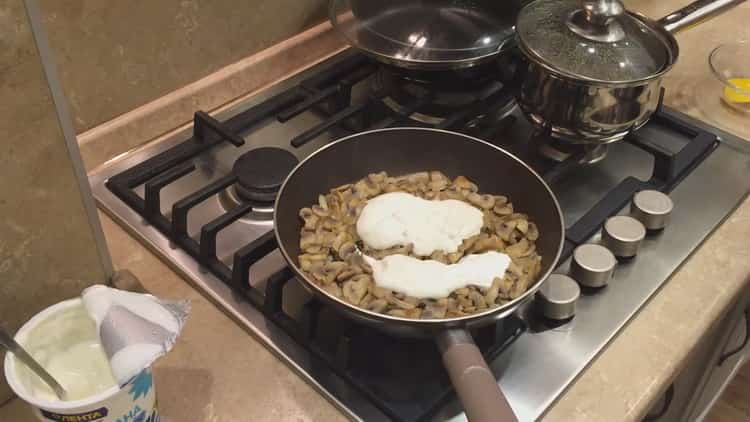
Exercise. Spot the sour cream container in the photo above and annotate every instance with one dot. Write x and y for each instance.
(62, 335)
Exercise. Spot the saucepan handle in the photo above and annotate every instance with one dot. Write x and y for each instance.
(695, 13)
(473, 380)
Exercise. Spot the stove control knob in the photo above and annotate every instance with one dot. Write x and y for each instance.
(592, 265)
(558, 296)
(652, 208)
(623, 235)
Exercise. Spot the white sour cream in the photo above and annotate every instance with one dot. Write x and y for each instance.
(67, 345)
(433, 279)
(399, 218)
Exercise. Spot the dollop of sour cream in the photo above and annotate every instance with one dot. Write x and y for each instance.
(399, 218)
(433, 279)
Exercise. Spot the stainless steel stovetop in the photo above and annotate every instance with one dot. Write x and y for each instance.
(542, 362)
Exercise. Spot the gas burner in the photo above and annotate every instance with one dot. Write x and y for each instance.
(262, 212)
(432, 100)
(260, 173)
(560, 151)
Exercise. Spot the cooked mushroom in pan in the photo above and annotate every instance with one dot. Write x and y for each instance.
(335, 257)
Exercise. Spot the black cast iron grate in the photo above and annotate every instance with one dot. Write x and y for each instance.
(329, 94)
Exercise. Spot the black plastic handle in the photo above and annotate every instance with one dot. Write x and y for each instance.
(739, 348)
(668, 396)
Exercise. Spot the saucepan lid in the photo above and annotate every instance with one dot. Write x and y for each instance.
(427, 33)
(593, 40)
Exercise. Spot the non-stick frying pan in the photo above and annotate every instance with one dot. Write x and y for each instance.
(407, 150)
(428, 35)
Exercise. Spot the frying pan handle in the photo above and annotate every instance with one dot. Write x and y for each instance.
(473, 380)
(696, 13)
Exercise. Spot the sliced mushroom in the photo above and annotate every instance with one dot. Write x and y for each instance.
(519, 249)
(515, 269)
(317, 249)
(454, 257)
(341, 238)
(320, 211)
(533, 233)
(439, 256)
(355, 289)
(307, 260)
(347, 250)
(488, 243)
(318, 274)
(377, 305)
(521, 285)
(396, 250)
(419, 177)
(378, 177)
(307, 239)
(397, 313)
(478, 299)
(414, 313)
(435, 309)
(368, 188)
(505, 286)
(332, 270)
(463, 291)
(322, 202)
(310, 219)
(505, 209)
(379, 292)
(522, 225)
(399, 303)
(429, 195)
(405, 313)
(491, 294)
(464, 302)
(438, 181)
(349, 272)
(333, 289)
(450, 194)
(485, 202)
(505, 229)
(463, 183)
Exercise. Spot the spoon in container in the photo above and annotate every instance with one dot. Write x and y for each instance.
(15, 348)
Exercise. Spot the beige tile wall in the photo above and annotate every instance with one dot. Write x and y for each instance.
(116, 55)
(47, 248)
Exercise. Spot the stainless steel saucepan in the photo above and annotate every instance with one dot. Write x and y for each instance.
(407, 150)
(592, 71)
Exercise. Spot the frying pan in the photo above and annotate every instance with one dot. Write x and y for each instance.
(407, 150)
(427, 35)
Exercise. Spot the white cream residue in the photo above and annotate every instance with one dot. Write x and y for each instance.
(67, 345)
(399, 218)
(433, 279)
(82, 369)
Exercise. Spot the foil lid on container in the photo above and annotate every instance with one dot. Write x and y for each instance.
(135, 329)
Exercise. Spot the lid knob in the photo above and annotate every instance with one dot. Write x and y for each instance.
(596, 20)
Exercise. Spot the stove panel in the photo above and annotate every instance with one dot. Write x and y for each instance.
(536, 367)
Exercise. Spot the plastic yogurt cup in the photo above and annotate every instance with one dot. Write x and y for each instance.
(65, 341)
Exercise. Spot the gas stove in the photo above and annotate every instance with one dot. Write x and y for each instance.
(202, 200)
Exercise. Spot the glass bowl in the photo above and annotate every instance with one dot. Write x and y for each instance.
(730, 64)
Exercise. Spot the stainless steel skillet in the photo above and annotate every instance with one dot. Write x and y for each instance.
(407, 150)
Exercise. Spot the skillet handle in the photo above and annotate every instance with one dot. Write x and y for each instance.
(473, 380)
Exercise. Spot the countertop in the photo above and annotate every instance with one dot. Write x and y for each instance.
(219, 373)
